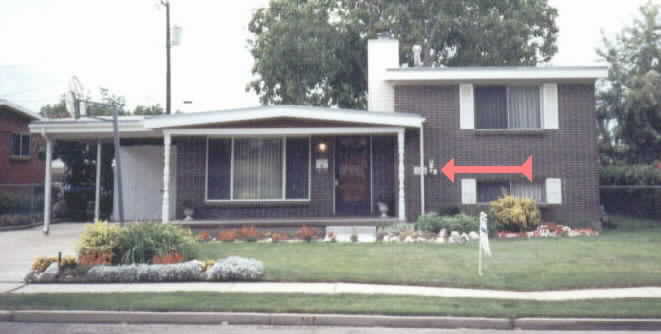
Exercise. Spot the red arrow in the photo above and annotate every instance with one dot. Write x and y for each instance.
(450, 169)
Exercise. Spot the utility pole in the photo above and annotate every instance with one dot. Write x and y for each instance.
(168, 45)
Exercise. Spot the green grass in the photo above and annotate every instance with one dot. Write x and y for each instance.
(345, 304)
(627, 256)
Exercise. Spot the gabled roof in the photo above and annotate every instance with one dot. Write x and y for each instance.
(285, 111)
(19, 109)
(477, 73)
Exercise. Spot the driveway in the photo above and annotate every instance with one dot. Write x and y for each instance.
(19, 248)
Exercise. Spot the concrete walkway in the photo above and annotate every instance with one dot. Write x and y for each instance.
(19, 248)
(341, 288)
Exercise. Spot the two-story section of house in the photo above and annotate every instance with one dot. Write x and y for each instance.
(325, 165)
(495, 116)
(19, 149)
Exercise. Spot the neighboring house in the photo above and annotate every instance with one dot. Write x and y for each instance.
(314, 164)
(20, 162)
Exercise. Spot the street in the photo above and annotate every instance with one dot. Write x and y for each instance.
(59, 328)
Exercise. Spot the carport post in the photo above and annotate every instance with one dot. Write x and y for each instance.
(48, 185)
(97, 195)
(167, 141)
(401, 174)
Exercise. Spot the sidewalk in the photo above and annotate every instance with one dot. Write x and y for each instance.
(339, 288)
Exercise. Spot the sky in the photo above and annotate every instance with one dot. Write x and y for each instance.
(120, 45)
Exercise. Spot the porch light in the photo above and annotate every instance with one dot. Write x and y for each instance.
(322, 147)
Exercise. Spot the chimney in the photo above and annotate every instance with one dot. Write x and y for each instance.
(382, 54)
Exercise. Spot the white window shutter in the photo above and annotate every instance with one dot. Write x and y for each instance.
(466, 107)
(468, 191)
(550, 106)
(553, 191)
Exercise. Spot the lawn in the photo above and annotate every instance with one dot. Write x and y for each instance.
(627, 256)
(345, 304)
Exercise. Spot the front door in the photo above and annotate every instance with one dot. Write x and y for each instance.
(352, 175)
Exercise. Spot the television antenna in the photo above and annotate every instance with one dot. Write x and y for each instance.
(76, 101)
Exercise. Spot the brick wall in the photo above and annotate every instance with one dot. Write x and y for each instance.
(14, 171)
(569, 153)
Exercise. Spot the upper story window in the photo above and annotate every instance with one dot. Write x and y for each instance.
(21, 144)
(507, 107)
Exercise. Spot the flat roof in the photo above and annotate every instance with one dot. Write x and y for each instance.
(479, 73)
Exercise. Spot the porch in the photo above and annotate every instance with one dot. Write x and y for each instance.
(283, 165)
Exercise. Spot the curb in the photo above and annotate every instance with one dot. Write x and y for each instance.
(337, 320)
(19, 227)
(272, 319)
(584, 324)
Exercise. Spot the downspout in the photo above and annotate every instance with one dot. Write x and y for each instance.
(422, 170)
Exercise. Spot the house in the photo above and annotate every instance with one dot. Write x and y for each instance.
(326, 165)
(20, 163)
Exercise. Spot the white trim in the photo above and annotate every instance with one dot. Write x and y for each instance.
(466, 106)
(422, 171)
(251, 114)
(92, 126)
(501, 73)
(48, 184)
(270, 132)
(283, 146)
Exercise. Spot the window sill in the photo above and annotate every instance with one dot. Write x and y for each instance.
(253, 203)
(512, 132)
(20, 157)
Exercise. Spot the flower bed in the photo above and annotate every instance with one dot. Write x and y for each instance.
(233, 268)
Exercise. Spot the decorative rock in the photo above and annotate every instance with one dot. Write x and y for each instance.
(409, 239)
(265, 241)
(455, 238)
(443, 233)
(439, 240)
(473, 235)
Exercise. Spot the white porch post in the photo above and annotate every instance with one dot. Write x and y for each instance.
(167, 141)
(97, 195)
(401, 174)
(48, 185)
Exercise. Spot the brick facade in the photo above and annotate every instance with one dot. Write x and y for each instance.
(569, 153)
(18, 171)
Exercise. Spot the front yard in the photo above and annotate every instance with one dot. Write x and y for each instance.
(628, 256)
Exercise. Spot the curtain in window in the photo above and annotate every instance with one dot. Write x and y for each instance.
(219, 168)
(298, 167)
(491, 107)
(532, 191)
(524, 108)
(490, 191)
(258, 168)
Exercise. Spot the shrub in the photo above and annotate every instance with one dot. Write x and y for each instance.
(229, 235)
(275, 237)
(14, 220)
(139, 243)
(41, 263)
(460, 223)
(236, 268)
(449, 211)
(203, 236)
(90, 257)
(248, 233)
(630, 175)
(99, 237)
(69, 262)
(307, 233)
(515, 214)
(8, 203)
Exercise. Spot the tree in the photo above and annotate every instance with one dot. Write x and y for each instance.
(315, 51)
(155, 109)
(629, 105)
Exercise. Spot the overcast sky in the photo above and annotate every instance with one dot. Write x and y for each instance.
(119, 45)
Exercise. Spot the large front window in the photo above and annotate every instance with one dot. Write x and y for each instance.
(258, 169)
